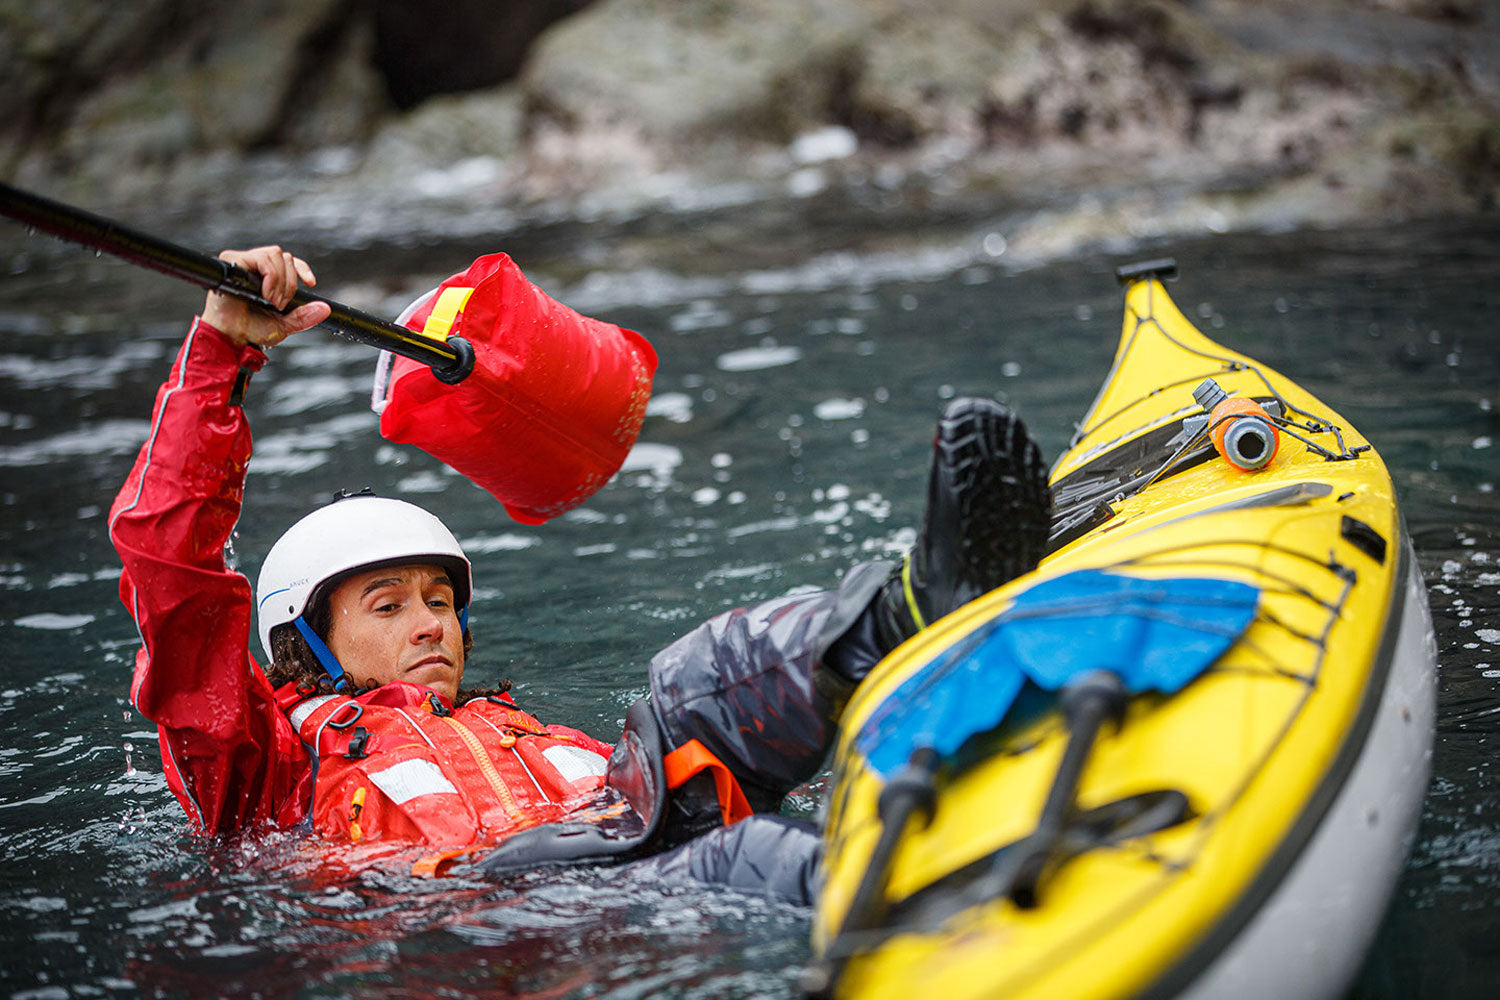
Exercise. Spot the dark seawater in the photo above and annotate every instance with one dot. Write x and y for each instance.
(787, 439)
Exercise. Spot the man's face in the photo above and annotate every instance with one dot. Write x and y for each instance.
(398, 623)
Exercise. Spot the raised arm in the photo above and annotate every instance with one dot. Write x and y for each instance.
(229, 754)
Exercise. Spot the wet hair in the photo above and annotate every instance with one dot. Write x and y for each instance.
(293, 661)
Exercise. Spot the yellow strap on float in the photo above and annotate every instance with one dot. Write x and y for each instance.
(450, 302)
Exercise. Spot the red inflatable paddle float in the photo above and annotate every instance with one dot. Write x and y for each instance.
(553, 404)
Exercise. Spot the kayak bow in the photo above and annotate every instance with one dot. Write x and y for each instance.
(1241, 830)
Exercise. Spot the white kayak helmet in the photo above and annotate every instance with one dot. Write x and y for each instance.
(352, 533)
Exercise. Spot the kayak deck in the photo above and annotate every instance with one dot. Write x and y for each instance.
(1252, 751)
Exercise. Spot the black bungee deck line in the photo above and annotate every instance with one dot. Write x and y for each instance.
(451, 360)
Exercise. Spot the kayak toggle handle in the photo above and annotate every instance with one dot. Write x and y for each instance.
(1241, 429)
(1162, 269)
(1088, 701)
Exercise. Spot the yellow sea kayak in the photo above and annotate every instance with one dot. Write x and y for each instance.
(1239, 831)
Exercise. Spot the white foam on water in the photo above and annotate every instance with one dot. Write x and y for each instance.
(307, 448)
(647, 457)
(741, 572)
(839, 409)
(109, 437)
(649, 287)
(319, 355)
(508, 542)
(423, 482)
(603, 290)
(289, 464)
(17, 421)
(298, 395)
(701, 314)
(42, 904)
(757, 358)
(82, 371)
(761, 527)
(50, 622)
(674, 406)
(831, 515)
(602, 549)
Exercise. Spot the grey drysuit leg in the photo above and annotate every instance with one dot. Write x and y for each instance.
(762, 689)
(773, 855)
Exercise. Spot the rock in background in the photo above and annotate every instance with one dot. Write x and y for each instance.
(1069, 120)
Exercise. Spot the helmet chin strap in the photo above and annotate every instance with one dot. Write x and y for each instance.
(323, 653)
(330, 662)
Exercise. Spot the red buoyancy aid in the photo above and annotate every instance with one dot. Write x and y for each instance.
(553, 404)
(397, 764)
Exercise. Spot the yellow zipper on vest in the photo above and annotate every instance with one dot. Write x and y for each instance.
(508, 742)
(487, 768)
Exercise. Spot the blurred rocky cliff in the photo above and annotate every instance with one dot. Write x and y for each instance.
(1067, 120)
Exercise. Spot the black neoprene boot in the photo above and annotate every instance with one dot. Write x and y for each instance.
(988, 517)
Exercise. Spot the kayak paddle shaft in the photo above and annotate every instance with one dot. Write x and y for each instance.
(1087, 702)
(451, 360)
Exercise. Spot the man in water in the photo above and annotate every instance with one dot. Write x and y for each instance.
(360, 729)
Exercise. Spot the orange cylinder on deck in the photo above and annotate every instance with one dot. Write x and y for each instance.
(553, 404)
(1243, 433)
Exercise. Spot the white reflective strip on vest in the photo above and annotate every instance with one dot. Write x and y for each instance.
(410, 778)
(303, 709)
(576, 763)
